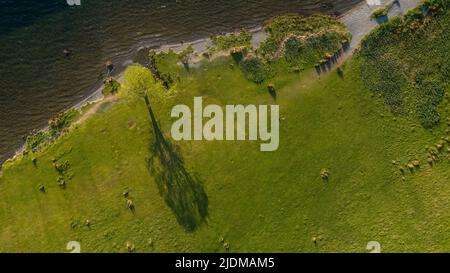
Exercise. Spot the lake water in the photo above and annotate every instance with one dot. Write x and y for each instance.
(37, 81)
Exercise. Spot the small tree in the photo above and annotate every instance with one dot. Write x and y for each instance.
(185, 55)
(138, 84)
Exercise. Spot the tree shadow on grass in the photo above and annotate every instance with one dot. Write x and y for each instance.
(333, 60)
(182, 191)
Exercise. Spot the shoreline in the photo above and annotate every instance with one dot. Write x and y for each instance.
(357, 24)
(357, 20)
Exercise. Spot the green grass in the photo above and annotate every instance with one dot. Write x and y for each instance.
(406, 61)
(275, 201)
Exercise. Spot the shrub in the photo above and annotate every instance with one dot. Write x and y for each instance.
(184, 55)
(40, 139)
(231, 40)
(254, 69)
(413, 17)
(380, 12)
(319, 48)
(37, 140)
(62, 167)
(237, 54)
(63, 120)
(292, 48)
(110, 86)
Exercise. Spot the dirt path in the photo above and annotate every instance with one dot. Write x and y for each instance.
(95, 107)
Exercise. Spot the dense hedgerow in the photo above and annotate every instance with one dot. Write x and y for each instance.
(408, 64)
(299, 41)
(323, 33)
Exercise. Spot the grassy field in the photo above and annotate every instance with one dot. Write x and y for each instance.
(248, 200)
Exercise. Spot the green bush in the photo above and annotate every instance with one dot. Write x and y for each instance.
(414, 15)
(167, 64)
(238, 54)
(62, 120)
(292, 49)
(184, 55)
(37, 140)
(280, 28)
(320, 48)
(110, 87)
(40, 139)
(254, 69)
(227, 42)
(380, 12)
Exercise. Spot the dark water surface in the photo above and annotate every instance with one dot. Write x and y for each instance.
(37, 81)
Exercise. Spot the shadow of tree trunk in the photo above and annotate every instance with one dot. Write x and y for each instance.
(182, 192)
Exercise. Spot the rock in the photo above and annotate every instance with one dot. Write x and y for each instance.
(109, 66)
(67, 52)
